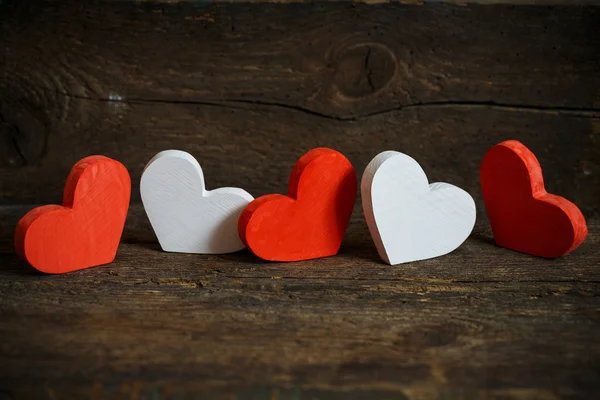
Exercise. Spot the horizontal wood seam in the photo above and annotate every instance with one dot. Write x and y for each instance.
(592, 113)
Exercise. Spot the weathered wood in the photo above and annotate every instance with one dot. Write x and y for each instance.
(358, 248)
(247, 89)
(267, 82)
(256, 148)
(482, 322)
(321, 58)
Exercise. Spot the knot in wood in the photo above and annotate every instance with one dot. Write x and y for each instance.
(364, 69)
(22, 136)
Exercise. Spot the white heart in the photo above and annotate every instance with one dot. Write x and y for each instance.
(185, 216)
(410, 219)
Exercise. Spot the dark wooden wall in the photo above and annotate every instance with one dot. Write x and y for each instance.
(248, 88)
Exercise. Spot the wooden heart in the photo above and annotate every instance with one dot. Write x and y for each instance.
(523, 216)
(410, 219)
(310, 222)
(85, 231)
(185, 216)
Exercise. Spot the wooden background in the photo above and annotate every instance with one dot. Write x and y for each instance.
(247, 88)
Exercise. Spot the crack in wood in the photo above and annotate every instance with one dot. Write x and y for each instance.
(369, 70)
(13, 139)
(10, 133)
(428, 284)
(593, 113)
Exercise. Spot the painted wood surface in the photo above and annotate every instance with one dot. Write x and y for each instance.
(85, 231)
(185, 216)
(524, 217)
(311, 220)
(410, 219)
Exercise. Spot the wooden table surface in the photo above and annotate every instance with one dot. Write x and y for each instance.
(481, 323)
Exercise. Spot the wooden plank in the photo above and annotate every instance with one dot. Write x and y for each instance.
(255, 147)
(439, 341)
(267, 82)
(482, 322)
(479, 253)
(322, 58)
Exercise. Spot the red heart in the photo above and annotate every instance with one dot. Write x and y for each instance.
(310, 222)
(85, 231)
(524, 217)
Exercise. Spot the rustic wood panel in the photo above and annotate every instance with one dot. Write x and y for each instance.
(322, 58)
(248, 88)
(482, 322)
(262, 83)
(255, 147)
(358, 248)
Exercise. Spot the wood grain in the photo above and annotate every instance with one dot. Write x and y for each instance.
(249, 88)
(311, 220)
(236, 147)
(315, 57)
(267, 82)
(523, 215)
(186, 217)
(86, 230)
(482, 322)
(409, 218)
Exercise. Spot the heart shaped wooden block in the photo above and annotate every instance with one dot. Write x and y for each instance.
(85, 231)
(185, 216)
(410, 219)
(310, 222)
(523, 216)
